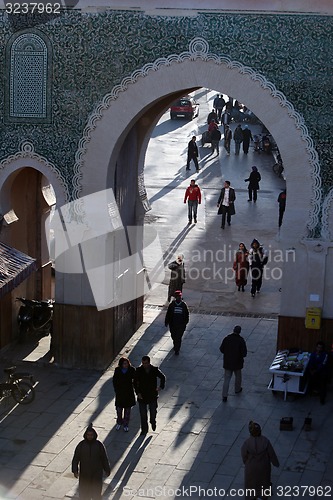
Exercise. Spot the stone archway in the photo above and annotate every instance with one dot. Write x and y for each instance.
(25, 180)
(135, 98)
(112, 150)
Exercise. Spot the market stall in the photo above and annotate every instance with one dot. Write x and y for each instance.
(288, 372)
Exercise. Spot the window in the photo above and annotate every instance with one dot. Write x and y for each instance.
(28, 84)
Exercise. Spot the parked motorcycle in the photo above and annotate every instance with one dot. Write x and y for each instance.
(34, 316)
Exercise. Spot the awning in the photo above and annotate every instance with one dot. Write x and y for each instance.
(15, 267)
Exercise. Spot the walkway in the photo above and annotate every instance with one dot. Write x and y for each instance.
(208, 250)
(198, 438)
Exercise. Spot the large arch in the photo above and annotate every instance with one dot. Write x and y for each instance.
(112, 150)
(160, 81)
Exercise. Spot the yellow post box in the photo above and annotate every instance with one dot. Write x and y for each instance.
(313, 317)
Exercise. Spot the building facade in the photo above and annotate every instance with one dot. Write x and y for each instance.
(83, 88)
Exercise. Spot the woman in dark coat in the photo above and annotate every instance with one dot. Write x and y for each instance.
(253, 186)
(258, 454)
(123, 386)
(241, 266)
(177, 278)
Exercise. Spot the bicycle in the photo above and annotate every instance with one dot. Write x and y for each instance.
(21, 391)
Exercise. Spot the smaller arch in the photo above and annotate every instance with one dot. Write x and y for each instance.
(26, 157)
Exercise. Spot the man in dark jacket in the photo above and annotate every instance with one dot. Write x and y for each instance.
(234, 351)
(146, 388)
(176, 318)
(219, 104)
(211, 116)
(226, 203)
(215, 137)
(89, 461)
(192, 154)
(247, 137)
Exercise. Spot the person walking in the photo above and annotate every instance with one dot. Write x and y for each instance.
(211, 116)
(215, 137)
(176, 318)
(253, 186)
(193, 195)
(89, 461)
(225, 119)
(241, 267)
(146, 388)
(238, 138)
(282, 198)
(226, 203)
(227, 139)
(123, 380)
(258, 454)
(258, 258)
(212, 126)
(234, 351)
(192, 154)
(219, 104)
(247, 137)
(177, 278)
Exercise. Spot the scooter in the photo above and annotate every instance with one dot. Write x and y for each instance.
(34, 316)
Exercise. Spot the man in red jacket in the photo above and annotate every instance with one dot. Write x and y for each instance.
(193, 195)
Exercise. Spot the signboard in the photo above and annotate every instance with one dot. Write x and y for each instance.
(313, 318)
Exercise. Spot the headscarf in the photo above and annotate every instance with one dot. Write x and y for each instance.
(255, 429)
(255, 241)
(242, 249)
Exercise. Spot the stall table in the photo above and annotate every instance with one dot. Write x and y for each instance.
(288, 371)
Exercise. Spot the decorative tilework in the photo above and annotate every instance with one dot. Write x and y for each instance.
(93, 53)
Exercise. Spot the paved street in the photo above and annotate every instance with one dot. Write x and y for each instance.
(196, 445)
(198, 438)
(209, 251)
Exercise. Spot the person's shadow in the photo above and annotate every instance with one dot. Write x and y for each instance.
(126, 469)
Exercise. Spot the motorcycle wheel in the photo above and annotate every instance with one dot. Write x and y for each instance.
(23, 392)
